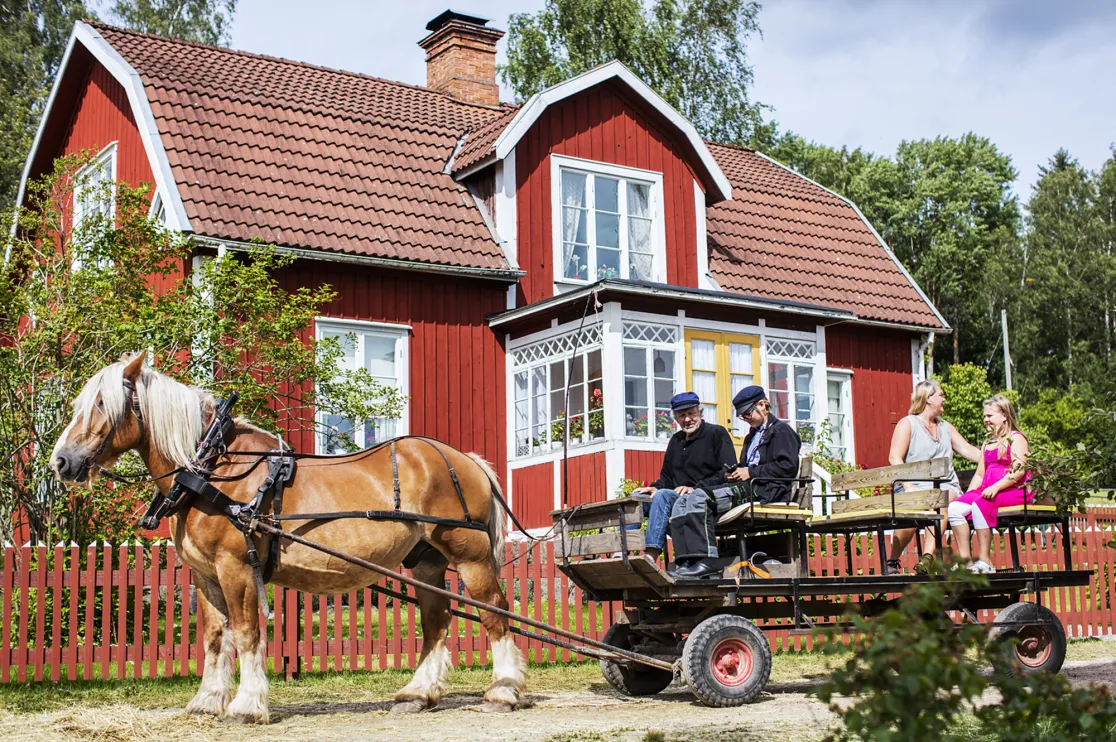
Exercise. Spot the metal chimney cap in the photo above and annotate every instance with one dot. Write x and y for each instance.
(455, 15)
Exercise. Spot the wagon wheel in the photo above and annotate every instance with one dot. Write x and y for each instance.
(631, 680)
(726, 661)
(1040, 642)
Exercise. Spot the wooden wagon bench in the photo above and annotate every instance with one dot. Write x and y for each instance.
(895, 509)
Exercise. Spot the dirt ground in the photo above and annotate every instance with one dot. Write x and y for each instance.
(595, 714)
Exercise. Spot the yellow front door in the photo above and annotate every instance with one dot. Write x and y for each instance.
(718, 365)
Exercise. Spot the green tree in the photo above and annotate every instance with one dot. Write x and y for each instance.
(1063, 281)
(206, 21)
(73, 301)
(946, 208)
(691, 52)
(828, 166)
(33, 36)
(966, 387)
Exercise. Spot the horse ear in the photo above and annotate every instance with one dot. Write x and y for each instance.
(134, 367)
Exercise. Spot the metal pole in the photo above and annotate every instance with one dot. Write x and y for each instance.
(1007, 353)
(384, 571)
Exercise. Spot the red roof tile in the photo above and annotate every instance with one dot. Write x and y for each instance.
(309, 157)
(783, 237)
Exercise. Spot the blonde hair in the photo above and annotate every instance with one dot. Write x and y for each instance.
(921, 395)
(1011, 421)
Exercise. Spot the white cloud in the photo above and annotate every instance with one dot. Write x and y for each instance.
(871, 75)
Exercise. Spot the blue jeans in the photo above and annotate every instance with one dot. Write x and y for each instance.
(658, 517)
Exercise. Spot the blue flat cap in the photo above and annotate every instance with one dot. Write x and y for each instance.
(684, 401)
(747, 398)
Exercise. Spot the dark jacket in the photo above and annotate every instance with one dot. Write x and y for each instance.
(699, 461)
(778, 457)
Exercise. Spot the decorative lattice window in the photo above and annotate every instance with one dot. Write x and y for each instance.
(647, 333)
(556, 347)
(790, 349)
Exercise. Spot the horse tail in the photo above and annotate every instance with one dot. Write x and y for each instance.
(498, 521)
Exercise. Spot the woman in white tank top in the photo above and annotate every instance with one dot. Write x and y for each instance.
(920, 436)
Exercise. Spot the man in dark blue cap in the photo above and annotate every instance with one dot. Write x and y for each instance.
(770, 450)
(696, 457)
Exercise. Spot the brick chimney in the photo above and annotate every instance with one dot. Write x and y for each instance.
(461, 57)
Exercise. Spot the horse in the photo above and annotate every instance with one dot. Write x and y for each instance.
(129, 407)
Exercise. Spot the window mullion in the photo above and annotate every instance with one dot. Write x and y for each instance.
(622, 205)
(652, 431)
(591, 225)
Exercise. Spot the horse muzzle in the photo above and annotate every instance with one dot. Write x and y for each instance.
(70, 465)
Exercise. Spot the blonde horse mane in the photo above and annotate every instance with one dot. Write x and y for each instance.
(173, 412)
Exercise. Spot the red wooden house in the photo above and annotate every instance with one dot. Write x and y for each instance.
(485, 255)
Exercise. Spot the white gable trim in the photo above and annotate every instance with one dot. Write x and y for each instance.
(945, 325)
(103, 52)
(539, 102)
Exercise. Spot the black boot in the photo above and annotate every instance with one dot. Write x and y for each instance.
(697, 569)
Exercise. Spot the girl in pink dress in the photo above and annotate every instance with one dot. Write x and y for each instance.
(1002, 475)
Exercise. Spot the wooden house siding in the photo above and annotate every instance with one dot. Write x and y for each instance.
(603, 125)
(457, 370)
(881, 384)
(532, 494)
(587, 479)
(643, 466)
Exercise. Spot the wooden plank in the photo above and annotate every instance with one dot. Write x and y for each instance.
(185, 579)
(608, 574)
(136, 646)
(74, 571)
(56, 615)
(600, 514)
(105, 652)
(885, 475)
(920, 500)
(597, 543)
(153, 612)
(366, 649)
(38, 656)
(168, 611)
(353, 636)
(547, 552)
(6, 616)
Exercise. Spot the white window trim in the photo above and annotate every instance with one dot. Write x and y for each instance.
(402, 336)
(679, 371)
(107, 154)
(658, 226)
(845, 376)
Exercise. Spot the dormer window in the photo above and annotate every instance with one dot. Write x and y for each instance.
(608, 222)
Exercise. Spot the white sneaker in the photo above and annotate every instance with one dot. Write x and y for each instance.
(981, 567)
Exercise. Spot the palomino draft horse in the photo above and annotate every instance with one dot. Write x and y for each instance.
(164, 421)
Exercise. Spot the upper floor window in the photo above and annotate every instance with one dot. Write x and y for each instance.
(382, 351)
(608, 222)
(94, 187)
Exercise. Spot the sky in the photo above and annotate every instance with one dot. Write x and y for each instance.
(1031, 75)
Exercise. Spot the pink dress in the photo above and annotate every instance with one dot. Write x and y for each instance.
(996, 465)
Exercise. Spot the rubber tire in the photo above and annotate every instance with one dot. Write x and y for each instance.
(636, 680)
(1033, 614)
(697, 659)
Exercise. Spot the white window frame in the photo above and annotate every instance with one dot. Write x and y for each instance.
(558, 163)
(158, 210)
(843, 377)
(592, 341)
(81, 188)
(648, 347)
(769, 358)
(401, 334)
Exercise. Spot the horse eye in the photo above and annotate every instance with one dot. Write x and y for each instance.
(100, 404)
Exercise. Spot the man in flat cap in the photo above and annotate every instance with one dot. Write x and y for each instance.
(770, 451)
(696, 457)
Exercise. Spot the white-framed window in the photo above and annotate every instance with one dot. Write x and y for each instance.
(649, 380)
(790, 381)
(95, 187)
(158, 210)
(382, 351)
(839, 403)
(539, 378)
(608, 222)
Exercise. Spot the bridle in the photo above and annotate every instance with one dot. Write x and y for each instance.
(132, 397)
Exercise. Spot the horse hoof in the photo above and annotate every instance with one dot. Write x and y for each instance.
(208, 705)
(247, 718)
(408, 707)
(491, 707)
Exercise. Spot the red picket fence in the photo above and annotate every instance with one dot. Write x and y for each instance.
(126, 612)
